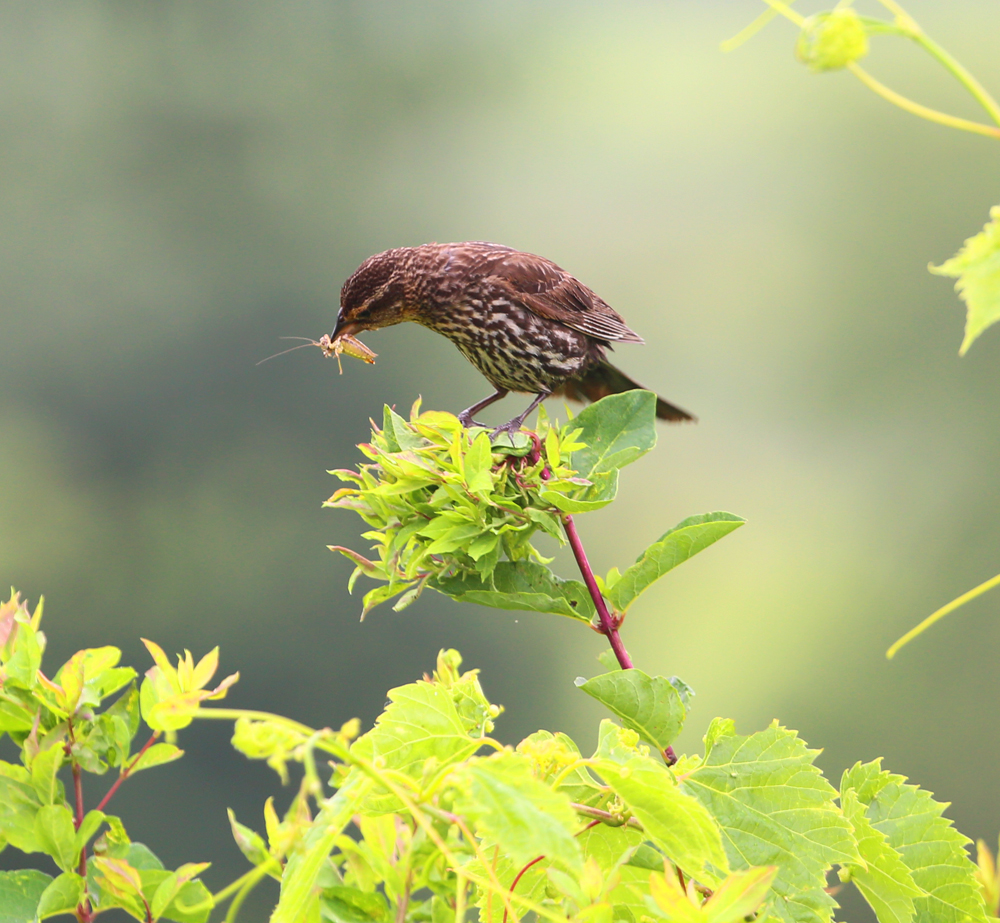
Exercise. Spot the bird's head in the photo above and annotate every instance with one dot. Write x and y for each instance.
(374, 296)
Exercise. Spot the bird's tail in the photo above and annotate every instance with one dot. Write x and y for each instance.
(604, 379)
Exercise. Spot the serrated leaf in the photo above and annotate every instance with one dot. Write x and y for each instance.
(977, 268)
(521, 585)
(672, 819)
(509, 806)
(616, 430)
(61, 896)
(674, 547)
(420, 723)
(884, 879)
(773, 805)
(19, 894)
(932, 849)
(649, 705)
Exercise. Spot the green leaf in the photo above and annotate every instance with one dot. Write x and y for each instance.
(521, 585)
(421, 722)
(977, 268)
(61, 896)
(674, 547)
(739, 895)
(349, 905)
(56, 835)
(675, 821)
(157, 755)
(509, 806)
(250, 842)
(14, 718)
(649, 705)
(603, 490)
(44, 773)
(175, 896)
(298, 883)
(616, 431)
(20, 892)
(92, 821)
(932, 849)
(773, 805)
(398, 435)
(614, 848)
(884, 879)
(478, 464)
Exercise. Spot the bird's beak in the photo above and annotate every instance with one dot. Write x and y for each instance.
(345, 328)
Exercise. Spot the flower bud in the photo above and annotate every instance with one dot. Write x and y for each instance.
(830, 41)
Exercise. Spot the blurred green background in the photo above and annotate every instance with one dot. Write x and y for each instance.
(185, 183)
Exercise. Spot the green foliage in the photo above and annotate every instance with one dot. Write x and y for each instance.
(838, 38)
(931, 849)
(977, 268)
(652, 706)
(66, 726)
(427, 813)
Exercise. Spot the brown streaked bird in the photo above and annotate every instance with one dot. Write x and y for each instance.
(526, 324)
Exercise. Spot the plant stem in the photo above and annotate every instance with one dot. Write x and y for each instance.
(254, 878)
(459, 897)
(608, 627)
(125, 772)
(908, 27)
(942, 612)
(606, 817)
(84, 912)
(915, 108)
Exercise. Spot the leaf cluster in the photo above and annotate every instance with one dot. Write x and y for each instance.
(453, 511)
(428, 815)
(85, 719)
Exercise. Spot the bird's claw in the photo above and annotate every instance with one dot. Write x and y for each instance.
(513, 426)
(469, 423)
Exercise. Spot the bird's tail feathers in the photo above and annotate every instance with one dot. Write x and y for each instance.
(604, 379)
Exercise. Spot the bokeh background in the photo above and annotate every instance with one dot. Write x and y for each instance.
(185, 183)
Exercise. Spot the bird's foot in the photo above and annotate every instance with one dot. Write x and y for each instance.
(466, 420)
(510, 428)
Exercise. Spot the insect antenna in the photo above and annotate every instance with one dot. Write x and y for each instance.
(309, 342)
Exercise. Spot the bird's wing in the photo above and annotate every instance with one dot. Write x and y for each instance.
(550, 292)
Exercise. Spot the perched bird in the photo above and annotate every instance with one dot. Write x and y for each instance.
(526, 324)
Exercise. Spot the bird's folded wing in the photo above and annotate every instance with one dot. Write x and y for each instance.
(550, 292)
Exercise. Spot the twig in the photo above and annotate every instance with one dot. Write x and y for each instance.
(609, 625)
(608, 628)
(125, 772)
(84, 912)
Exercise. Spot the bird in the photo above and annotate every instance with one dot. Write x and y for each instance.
(528, 325)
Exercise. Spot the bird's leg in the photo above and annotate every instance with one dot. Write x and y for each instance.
(465, 417)
(514, 425)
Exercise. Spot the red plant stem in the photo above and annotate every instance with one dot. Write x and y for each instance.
(608, 627)
(126, 771)
(518, 876)
(84, 913)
